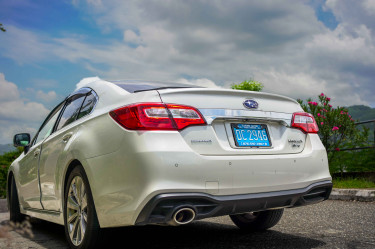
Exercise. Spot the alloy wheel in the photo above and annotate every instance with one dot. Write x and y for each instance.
(77, 210)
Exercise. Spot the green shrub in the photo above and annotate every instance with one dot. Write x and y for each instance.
(354, 161)
(5, 161)
(248, 85)
(338, 131)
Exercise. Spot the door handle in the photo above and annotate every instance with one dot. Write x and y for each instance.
(66, 137)
(36, 152)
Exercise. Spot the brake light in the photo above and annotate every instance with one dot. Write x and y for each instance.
(305, 122)
(184, 116)
(157, 116)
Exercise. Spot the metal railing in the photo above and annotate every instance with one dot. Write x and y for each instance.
(368, 147)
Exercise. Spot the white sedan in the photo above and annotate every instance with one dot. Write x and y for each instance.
(126, 153)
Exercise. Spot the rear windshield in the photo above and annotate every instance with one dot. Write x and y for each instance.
(139, 86)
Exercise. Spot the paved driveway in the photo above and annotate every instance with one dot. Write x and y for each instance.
(331, 224)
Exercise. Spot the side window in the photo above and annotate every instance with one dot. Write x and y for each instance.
(48, 127)
(88, 105)
(71, 110)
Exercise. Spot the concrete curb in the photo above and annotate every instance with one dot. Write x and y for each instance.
(365, 195)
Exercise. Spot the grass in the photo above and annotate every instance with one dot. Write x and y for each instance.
(353, 183)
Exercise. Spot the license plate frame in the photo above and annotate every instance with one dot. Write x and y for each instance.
(238, 130)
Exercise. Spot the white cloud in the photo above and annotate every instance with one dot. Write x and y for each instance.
(17, 110)
(8, 130)
(24, 46)
(352, 14)
(8, 90)
(199, 82)
(131, 36)
(298, 83)
(46, 97)
(369, 6)
(17, 115)
(283, 45)
(280, 43)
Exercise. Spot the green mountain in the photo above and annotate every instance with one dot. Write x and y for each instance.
(4, 148)
(362, 112)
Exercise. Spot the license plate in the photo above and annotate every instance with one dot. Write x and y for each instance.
(251, 135)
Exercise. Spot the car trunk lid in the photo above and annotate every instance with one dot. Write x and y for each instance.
(232, 128)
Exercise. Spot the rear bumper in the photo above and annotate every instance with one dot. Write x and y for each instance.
(161, 208)
(125, 181)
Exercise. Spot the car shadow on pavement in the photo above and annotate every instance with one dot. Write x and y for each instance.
(199, 234)
(46, 234)
(203, 234)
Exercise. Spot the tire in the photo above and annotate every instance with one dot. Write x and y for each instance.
(257, 221)
(15, 214)
(79, 212)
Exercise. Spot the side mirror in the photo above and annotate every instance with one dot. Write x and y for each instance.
(21, 140)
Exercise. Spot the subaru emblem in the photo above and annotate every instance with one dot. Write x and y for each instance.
(250, 104)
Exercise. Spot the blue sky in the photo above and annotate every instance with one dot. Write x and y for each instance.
(296, 48)
(46, 18)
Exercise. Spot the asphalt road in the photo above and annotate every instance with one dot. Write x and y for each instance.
(331, 224)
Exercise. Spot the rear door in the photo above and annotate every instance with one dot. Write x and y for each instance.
(56, 147)
(263, 127)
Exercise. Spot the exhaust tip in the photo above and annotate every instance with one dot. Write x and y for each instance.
(183, 216)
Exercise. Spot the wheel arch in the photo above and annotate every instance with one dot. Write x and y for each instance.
(74, 163)
(70, 167)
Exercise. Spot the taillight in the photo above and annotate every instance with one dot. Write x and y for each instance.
(184, 116)
(304, 121)
(157, 116)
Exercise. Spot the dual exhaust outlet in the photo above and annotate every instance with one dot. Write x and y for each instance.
(182, 216)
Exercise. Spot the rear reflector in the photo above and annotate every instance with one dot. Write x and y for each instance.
(157, 116)
(305, 122)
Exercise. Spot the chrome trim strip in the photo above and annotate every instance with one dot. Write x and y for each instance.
(250, 115)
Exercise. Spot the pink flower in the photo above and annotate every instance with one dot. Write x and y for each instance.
(318, 114)
(335, 128)
(314, 103)
(337, 149)
(324, 110)
(321, 123)
(325, 103)
(330, 105)
(349, 116)
(322, 94)
(328, 99)
(342, 112)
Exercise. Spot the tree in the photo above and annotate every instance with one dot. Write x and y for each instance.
(248, 85)
(2, 27)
